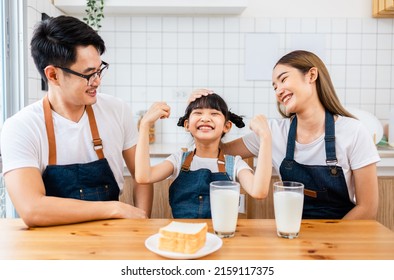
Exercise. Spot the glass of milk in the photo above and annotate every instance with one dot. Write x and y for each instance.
(288, 204)
(224, 198)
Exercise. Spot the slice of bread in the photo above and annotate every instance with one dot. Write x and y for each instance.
(183, 237)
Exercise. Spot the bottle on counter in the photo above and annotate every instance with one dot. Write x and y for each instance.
(152, 136)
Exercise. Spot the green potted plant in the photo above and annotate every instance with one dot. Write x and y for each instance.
(94, 13)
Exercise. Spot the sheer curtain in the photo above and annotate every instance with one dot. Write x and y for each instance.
(2, 91)
(12, 74)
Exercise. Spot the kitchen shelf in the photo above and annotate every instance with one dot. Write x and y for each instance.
(155, 7)
(383, 9)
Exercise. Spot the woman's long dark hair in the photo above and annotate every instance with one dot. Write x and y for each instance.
(212, 101)
(304, 61)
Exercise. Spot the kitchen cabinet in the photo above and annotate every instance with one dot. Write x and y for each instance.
(264, 209)
(386, 202)
(161, 207)
(383, 8)
(147, 7)
(161, 203)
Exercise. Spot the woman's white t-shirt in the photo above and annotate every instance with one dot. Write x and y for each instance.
(353, 143)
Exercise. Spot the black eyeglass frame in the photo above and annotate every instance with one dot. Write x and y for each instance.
(87, 77)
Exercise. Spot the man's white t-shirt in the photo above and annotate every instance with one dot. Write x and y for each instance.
(353, 143)
(24, 139)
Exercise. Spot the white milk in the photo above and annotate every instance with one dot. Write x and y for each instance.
(288, 211)
(224, 209)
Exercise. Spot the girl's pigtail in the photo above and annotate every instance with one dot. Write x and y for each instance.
(181, 121)
(237, 120)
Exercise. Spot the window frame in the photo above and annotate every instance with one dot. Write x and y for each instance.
(13, 52)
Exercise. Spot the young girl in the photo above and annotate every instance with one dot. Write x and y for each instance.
(208, 120)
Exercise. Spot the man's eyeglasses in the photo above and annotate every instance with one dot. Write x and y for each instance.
(90, 78)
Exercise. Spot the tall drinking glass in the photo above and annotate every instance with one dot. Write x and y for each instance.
(288, 204)
(224, 198)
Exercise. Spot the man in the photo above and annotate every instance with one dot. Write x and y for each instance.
(63, 155)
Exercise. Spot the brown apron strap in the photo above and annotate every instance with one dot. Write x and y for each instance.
(189, 158)
(97, 142)
(221, 162)
(50, 131)
(188, 161)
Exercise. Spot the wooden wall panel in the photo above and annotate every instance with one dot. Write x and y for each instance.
(262, 209)
(386, 202)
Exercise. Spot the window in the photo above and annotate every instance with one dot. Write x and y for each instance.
(12, 75)
(2, 59)
(12, 57)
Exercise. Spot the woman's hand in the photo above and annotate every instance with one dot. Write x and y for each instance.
(259, 125)
(199, 93)
(158, 110)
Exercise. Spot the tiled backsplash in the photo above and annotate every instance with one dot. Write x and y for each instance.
(163, 58)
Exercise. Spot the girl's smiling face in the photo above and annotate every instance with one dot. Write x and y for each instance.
(207, 118)
(207, 124)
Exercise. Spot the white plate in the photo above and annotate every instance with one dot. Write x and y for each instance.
(212, 244)
(372, 123)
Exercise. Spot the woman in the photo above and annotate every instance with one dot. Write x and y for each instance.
(317, 142)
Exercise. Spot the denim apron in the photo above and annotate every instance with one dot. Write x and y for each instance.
(326, 194)
(189, 193)
(93, 181)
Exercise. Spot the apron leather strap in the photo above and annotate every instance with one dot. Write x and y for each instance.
(221, 162)
(188, 160)
(50, 131)
(97, 142)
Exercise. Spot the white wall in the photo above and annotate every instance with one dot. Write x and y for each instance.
(166, 57)
(309, 8)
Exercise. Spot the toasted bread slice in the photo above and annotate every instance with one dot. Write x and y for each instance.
(183, 237)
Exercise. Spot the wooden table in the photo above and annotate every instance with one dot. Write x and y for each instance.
(122, 239)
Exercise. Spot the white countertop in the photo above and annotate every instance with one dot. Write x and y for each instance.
(385, 166)
(164, 150)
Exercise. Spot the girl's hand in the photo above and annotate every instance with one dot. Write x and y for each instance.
(259, 125)
(199, 93)
(158, 110)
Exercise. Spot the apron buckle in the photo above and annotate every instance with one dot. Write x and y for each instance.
(184, 168)
(331, 162)
(332, 165)
(97, 144)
